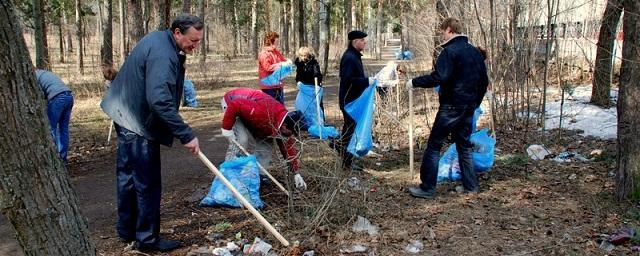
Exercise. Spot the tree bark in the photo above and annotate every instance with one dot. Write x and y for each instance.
(123, 29)
(284, 12)
(267, 16)
(604, 56)
(134, 19)
(236, 30)
(295, 41)
(254, 28)
(79, 37)
(35, 190)
(628, 157)
(106, 49)
(186, 6)
(302, 36)
(315, 27)
(146, 16)
(203, 43)
(60, 33)
(69, 29)
(325, 32)
(379, 31)
(42, 51)
(164, 14)
(348, 23)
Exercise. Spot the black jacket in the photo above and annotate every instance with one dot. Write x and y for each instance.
(307, 71)
(352, 78)
(145, 95)
(461, 73)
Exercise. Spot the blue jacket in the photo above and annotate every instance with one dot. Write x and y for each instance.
(352, 78)
(461, 73)
(50, 84)
(145, 95)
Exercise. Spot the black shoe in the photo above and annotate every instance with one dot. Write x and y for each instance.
(126, 240)
(162, 245)
(418, 192)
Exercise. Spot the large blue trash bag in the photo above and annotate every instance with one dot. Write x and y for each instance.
(327, 131)
(190, 94)
(407, 55)
(244, 175)
(274, 79)
(306, 103)
(482, 155)
(362, 111)
(476, 115)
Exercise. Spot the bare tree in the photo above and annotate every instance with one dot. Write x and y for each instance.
(164, 14)
(379, 31)
(325, 32)
(134, 20)
(186, 6)
(42, 50)
(35, 189)
(65, 20)
(79, 36)
(284, 13)
(302, 36)
(106, 49)
(123, 29)
(348, 23)
(315, 26)
(236, 30)
(59, 10)
(254, 28)
(628, 157)
(604, 56)
(267, 16)
(203, 43)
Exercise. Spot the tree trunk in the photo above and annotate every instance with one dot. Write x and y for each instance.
(284, 13)
(301, 29)
(606, 44)
(267, 16)
(146, 16)
(325, 32)
(348, 23)
(123, 30)
(628, 157)
(254, 28)
(379, 31)
(35, 190)
(134, 20)
(203, 43)
(404, 34)
(106, 49)
(79, 37)
(164, 14)
(60, 34)
(295, 41)
(69, 29)
(315, 27)
(42, 51)
(186, 6)
(236, 30)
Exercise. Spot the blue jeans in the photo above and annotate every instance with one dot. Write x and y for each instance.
(139, 187)
(277, 94)
(457, 121)
(59, 114)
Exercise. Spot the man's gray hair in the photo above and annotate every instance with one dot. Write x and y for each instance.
(186, 21)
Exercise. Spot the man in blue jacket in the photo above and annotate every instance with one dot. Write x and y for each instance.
(462, 75)
(353, 82)
(143, 101)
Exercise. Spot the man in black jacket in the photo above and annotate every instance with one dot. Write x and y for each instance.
(143, 101)
(353, 82)
(462, 75)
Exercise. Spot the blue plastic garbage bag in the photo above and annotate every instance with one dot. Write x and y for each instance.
(327, 131)
(407, 55)
(362, 111)
(482, 155)
(306, 103)
(274, 79)
(244, 175)
(398, 54)
(190, 94)
(476, 116)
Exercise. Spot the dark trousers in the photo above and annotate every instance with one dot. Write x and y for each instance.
(59, 115)
(277, 94)
(139, 187)
(347, 132)
(456, 121)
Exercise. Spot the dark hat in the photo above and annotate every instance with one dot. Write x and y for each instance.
(356, 34)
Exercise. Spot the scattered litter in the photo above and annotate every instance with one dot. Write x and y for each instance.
(364, 225)
(354, 249)
(231, 246)
(573, 176)
(354, 183)
(414, 247)
(309, 253)
(214, 236)
(373, 154)
(222, 252)
(566, 157)
(606, 246)
(635, 248)
(622, 236)
(258, 247)
(203, 250)
(595, 152)
(537, 152)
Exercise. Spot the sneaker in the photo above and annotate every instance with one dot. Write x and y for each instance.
(418, 192)
(162, 245)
